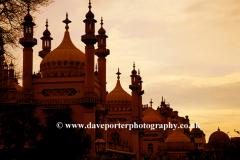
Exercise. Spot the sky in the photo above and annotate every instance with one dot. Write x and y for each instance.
(188, 51)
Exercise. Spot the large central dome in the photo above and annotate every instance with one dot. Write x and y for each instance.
(64, 61)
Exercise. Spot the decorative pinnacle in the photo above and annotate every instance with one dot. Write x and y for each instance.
(47, 24)
(28, 9)
(218, 129)
(89, 5)
(118, 73)
(66, 21)
(162, 98)
(151, 102)
(101, 22)
(133, 65)
(139, 72)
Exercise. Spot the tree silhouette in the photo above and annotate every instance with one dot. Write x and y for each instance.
(63, 143)
(20, 129)
(12, 13)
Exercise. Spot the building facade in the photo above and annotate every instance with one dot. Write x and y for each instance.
(68, 80)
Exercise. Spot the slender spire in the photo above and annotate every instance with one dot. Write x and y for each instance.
(66, 21)
(89, 6)
(133, 65)
(162, 98)
(46, 24)
(151, 102)
(101, 22)
(139, 72)
(28, 9)
(118, 73)
(218, 129)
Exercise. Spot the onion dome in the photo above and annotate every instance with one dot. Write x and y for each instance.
(118, 94)
(197, 131)
(66, 60)
(28, 17)
(134, 71)
(177, 137)
(46, 32)
(101, 30)
(151, 117)
(218, 136)
(11, 64)
(178, 141)
(89, 14)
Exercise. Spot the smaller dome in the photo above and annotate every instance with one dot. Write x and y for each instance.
(89, 14)
(46, 33)
(11, 64)
(151, 117)
(177, 136)
(118, 94)
(28, 18)
(139, 78)
(101, 31)
(134, 71)
(218, 136)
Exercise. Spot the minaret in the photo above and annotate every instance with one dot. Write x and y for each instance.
(135, 112)
(89, 39)
(5, 75)
(140, 92)
(134, 87)
(102, 53)
(28, 42)
(46, 42)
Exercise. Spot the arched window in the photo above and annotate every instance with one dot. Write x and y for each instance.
(150, 147)
(115, 137)
(89, 26)
(101, 41)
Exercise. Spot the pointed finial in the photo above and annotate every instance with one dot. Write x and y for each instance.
(139, 72)
(118, 73)
(151, 102)
(162, 98)
(218, 129)
(28, 9)
(89, 5)
(46, 23)
(66, 21)
(101, 22)
(133, 65)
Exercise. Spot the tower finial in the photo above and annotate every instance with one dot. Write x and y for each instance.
(151, 102)
(101, 22)
(89, 6)
(133, 65)
(46, 23)
(139, 72)
(118, 73)
(66, 21)
(28, 9)
(218, 129)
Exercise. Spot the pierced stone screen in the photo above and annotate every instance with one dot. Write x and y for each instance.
(59, 92)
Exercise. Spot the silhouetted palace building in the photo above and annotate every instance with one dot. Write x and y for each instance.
(68, 80)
